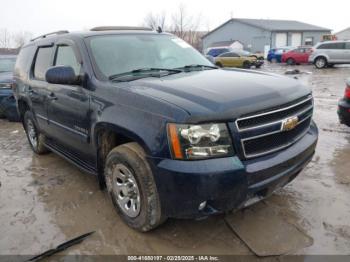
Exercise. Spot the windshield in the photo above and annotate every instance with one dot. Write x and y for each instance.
(7, 64)
(117, 54)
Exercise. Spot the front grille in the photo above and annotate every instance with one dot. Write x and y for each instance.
(263, 133)
(274, 115)
(273, 142)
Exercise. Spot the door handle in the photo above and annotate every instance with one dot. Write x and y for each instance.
(52, 97)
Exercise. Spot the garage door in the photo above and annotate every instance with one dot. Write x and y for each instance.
(296, 39)
(281, 39)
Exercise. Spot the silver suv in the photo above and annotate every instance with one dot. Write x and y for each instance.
(330, 53)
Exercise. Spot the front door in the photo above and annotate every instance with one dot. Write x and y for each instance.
(69, 107)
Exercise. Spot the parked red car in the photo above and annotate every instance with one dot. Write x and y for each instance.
(299, 55)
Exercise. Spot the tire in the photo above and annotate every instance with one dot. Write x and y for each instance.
(218, 64)
(131, 186)
(246, 65)
(290, 61)
(35, 138)
(320, 62)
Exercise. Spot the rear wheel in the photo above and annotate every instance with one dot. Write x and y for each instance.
(290, 61)
(35, 138)
(320, 62)
(132, 188)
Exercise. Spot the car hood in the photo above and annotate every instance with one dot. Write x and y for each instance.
(6, 77)
(221, 94)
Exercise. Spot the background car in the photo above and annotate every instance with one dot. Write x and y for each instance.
(344, 106)
(275, 54)
(7, 100)
(214, 52)
(232, 59)
(327, 54)
(299, 55)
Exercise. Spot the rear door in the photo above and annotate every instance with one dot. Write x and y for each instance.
(68, 109)
(37, 86)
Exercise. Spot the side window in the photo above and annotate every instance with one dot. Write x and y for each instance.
(65, 56)
(347, 45)
(42, 62)
(332, 46)
(234, 55)
(338, 46)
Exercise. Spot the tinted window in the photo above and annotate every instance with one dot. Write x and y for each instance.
(24, 61)
(332, 46)
(42, 62)
(66, 57)
(347, 45)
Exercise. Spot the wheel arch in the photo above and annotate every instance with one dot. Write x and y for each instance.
(107, 136)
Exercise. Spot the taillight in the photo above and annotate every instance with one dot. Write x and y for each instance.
(347, 92)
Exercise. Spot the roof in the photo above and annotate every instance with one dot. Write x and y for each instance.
(51, 37)
(223, 43)
(275, 25)
(342, 31)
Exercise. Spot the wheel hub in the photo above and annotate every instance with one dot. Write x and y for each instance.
(126, 190)
(32, 135)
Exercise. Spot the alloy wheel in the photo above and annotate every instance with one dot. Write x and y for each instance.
(126, 190)
(32, 134)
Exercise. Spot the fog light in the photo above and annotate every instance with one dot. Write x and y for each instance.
(202, 205)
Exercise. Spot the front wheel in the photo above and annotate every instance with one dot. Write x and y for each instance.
(320, 62)
(132, 188)
(35, 137)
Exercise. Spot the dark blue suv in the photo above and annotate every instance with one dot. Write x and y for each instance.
(168, 133)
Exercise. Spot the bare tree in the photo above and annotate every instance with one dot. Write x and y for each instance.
(20, 38)
(186, 26)
(155, 20)
(5, 38)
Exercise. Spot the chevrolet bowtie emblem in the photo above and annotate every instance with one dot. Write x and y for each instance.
(289, 123)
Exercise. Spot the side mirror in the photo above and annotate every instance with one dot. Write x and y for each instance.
(63, 75)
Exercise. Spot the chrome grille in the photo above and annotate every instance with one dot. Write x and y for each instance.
(264, 133)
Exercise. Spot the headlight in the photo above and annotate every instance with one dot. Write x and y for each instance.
(5, 85)
(199, 141)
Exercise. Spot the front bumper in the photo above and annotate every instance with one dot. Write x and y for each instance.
(344, 111)
(4, 93)
(228, 183)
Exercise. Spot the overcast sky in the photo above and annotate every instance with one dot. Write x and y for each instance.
(41, 16)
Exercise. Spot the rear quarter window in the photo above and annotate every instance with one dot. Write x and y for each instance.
(24, 61)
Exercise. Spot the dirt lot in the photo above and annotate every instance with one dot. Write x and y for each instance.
(45, 200)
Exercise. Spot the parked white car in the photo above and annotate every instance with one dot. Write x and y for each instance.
(327, 54)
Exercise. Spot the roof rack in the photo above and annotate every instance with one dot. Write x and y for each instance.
(53, 33)
(109, 28)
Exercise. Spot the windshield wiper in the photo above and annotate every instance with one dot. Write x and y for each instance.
(195, 66)
(145, 72)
